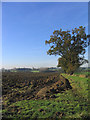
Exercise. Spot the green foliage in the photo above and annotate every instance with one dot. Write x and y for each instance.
(70, 46)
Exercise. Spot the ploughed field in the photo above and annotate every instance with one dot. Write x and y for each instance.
(23, 85)
(44, 95)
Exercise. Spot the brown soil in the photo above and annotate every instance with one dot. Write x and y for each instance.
(82, 76)
(61, 85)
(26, 86)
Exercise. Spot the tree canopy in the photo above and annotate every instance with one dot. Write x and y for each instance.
(70, 46)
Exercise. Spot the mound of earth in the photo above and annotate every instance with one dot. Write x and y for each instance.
(47, 92)
(83, 76)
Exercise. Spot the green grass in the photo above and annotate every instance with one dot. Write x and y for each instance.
(35, 71)
(79, 84)
(72, 103)
(84, 73)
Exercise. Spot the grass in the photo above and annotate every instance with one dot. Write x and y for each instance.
(79, 84)
(35, 71)
(72, 103)
(82, 73)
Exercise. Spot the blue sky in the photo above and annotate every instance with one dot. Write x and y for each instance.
(26, 26)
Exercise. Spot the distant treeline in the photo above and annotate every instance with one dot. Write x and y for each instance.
(51, 69)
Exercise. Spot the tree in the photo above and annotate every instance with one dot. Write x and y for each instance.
(70, 46)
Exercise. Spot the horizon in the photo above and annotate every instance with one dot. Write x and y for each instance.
(40, 67)
(26, 26)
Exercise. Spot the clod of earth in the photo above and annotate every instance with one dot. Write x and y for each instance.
(83, 76)
(61, 85)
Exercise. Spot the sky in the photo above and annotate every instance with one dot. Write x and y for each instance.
(45, 0)
(26, 26)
